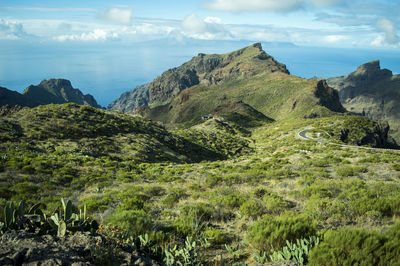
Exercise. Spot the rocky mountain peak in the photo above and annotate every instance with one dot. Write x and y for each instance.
(370, 71)
(212, 69)
(58, 91)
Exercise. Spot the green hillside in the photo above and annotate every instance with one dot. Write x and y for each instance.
(250, 169)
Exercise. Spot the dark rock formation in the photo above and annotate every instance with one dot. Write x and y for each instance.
(373, 92)
(131, 100)
(22, 248)
(55, 91)
(58, 91)
(12, 98)
(202, 69)
(328, 97)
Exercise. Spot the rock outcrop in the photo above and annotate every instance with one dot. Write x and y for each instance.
(328, 97)
(58, 91)
(202, 69)
(22, 248)
(12, 98)
(373, 92)
(131, 100)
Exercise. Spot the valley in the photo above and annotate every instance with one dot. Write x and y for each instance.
(206, 166)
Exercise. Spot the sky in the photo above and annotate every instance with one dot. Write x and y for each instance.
(74, 30)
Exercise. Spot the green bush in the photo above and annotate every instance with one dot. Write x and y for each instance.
(253, 208)
(135, 202)
(137, 222)
(275, 204)
(354, 247)
(346, 171)
(215, 236)
(270, 233)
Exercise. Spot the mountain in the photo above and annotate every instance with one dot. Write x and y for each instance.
(242, 82)
(11, 98)
(58, 91)
(131, 100)
(373, 92)
(55, 91)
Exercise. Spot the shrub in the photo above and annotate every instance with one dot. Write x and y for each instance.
(135, 202)
(193, 218)
(346, 171)
(216, 236)
(271, 233)
(275, 204)
(135, 221)
(350, 247)
(252, 208)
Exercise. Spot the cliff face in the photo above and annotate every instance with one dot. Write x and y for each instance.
(373, 92)
(12, 98)
(131, 100)
(328, 97)
(247, 87)
(55, 91)
(202, 69)
(58, 91)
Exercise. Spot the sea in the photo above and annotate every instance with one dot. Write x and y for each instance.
(106, 70)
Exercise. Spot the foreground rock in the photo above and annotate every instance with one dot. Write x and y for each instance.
(22, 248)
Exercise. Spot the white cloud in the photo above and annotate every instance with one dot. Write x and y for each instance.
(334, 38)
(213, 20)
(96, 35)
(118, 16)
(388, 29)
(12, 30)
(193, 23)
(208, 28)
(255, 5)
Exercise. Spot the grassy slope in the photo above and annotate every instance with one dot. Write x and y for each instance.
(277, 96)
(336, 187)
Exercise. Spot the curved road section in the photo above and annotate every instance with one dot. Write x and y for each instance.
(303, 135)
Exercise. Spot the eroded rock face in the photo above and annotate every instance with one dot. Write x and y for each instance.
(12, 98)
(202, 69)
(131, 100)
(22, 248)
(373, 92)
(328, 97)
(58, 91)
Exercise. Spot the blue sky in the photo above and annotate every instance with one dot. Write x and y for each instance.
(325, 23)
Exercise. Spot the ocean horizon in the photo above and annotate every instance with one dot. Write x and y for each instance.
(106, 70)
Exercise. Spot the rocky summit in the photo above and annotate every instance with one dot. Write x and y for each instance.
(50, 91)
(373, 92)
(58, 91)
(249, 81)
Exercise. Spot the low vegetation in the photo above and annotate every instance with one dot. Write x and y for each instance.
(209, 194)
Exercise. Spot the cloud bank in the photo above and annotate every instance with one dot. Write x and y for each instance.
(118, 16)
(96, 35)
(389, 31)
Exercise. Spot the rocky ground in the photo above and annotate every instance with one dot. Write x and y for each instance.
(22, 248)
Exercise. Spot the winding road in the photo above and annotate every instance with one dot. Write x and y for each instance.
(303, 135)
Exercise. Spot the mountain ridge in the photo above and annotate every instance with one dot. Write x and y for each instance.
(373, 92)
(51, 91)
(248, 76)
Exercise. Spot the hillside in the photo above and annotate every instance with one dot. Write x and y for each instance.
(12, 98)
(52, 91)
(250, 80)
(250, 166)
(373, 92)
